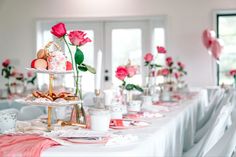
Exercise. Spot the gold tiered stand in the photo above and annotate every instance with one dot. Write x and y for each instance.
(50, 105)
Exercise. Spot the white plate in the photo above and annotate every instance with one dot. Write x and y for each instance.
(49, 103)
(49, 71)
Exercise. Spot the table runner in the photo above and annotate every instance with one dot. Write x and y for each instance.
(20, 145)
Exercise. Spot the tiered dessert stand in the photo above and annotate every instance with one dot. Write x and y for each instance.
(49, 104)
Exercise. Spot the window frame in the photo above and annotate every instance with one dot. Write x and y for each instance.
(218, 14)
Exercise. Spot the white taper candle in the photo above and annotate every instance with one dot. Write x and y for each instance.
(98, 70)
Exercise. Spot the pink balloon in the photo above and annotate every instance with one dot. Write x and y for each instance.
(216, 48)
(207, 37)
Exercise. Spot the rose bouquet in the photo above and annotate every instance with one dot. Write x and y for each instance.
(125, 72)
(76, 39)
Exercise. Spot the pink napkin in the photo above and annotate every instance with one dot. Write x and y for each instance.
(24, 145)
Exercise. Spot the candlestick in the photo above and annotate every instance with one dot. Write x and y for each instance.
(99, 70)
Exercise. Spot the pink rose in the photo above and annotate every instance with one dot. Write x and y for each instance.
(5, 63)
(165, 72)
(148, 57)
(121, 72)
(132, 70)
(169, 61)
(232, 72)
(161, 49)
(59, 30)
(30, 74)
(181, 65)
(78, 38)
(176, 75)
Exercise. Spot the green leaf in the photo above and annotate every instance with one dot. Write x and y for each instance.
(79, 56)
(82, 67)
(138, 88)
(129, 87)
(158, 66)
(91, 69)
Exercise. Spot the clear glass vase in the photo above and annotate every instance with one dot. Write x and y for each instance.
(78, 114)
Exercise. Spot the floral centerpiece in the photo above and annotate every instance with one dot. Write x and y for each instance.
(233, 74)
(77, 39)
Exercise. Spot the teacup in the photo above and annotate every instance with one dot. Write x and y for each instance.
(100, 119)
(134, 106)
(116, 112)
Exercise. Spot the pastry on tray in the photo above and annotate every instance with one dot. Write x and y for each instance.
(55, 96)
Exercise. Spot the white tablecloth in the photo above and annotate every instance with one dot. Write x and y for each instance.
(165, 137)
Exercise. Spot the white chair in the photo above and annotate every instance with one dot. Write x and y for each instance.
(29, 113)
(213, 135)
(214, 102)
(201, 132)
(225, 147)
(88, 99)
(8, 119)
(4, 105)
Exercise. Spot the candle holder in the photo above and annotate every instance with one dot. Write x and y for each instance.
(98, 100)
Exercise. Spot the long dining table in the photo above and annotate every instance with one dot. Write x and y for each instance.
(169, 135)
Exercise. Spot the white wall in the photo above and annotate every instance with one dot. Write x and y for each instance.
(186, 21)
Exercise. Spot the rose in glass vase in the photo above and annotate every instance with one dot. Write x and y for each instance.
(124, 73)
(233, 74)
(76, 39)
(7, 73)
(179, 75)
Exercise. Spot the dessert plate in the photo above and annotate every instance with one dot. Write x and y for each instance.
(49, 71)
(128, 124)
(46, 102)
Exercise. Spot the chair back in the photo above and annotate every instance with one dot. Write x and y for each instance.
(226, 145)
(217, 130)
(8, 119)
(88, 99)
(29, 113)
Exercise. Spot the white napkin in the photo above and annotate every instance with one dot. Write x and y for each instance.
(155, 108)
(121, 140)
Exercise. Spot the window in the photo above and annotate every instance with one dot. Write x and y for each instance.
(226, 24)
(119, 40)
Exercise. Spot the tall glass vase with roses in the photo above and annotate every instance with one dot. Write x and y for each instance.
(170, 67)
(152, 68)
(7, 73)
(75, 39)
(124, 73)
(179, 74)
(233, 74)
